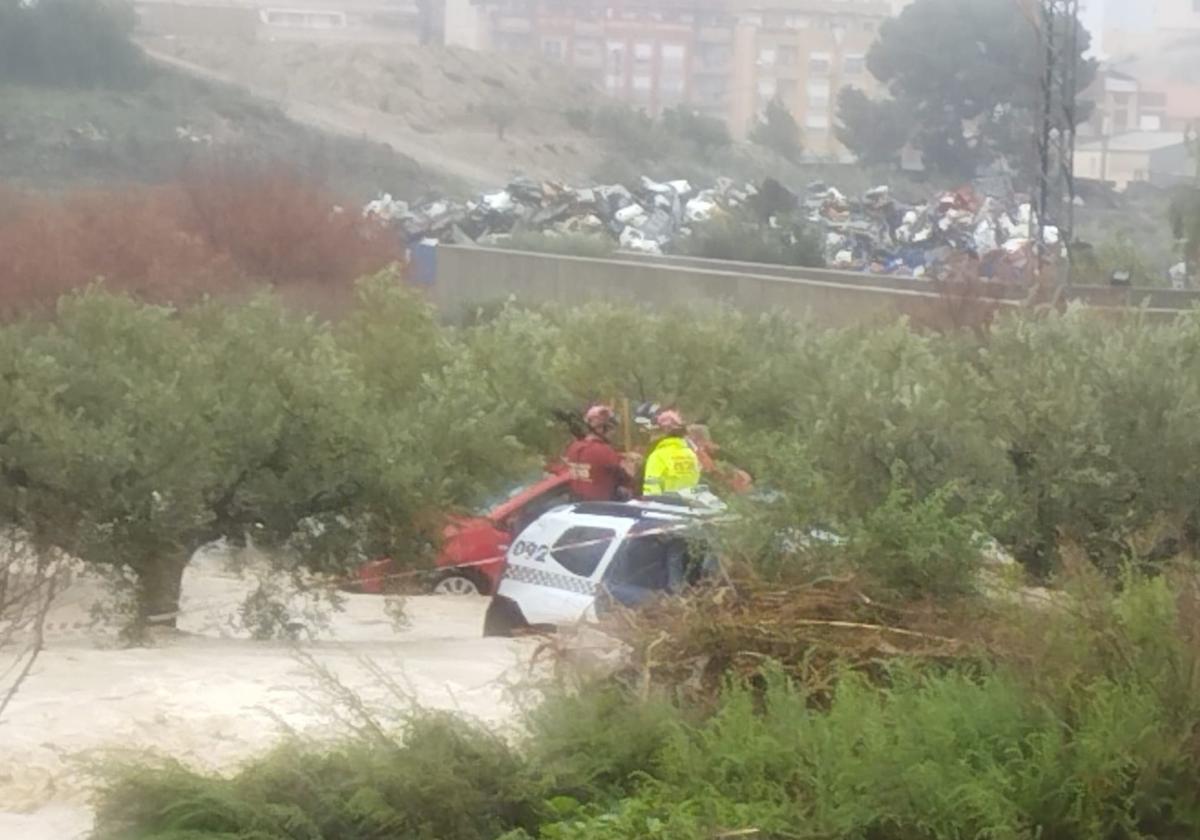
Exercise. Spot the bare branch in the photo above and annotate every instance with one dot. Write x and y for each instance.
(28, 585)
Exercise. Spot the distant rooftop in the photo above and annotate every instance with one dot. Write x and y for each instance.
(1137, 141)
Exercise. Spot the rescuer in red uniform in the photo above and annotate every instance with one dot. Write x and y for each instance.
(597, 469)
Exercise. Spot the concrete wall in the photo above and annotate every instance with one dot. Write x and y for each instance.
(468, 277)
(471, 276)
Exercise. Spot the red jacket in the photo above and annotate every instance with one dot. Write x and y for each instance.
(595, 467)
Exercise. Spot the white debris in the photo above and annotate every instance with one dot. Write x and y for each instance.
(631, 215)
(386, 208)
(633, 239)
(500, 201)
(700, 209)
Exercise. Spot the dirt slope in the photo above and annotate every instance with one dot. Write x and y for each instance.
(436, 105)
(59, 138)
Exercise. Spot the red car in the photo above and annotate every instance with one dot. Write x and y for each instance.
(471, 558)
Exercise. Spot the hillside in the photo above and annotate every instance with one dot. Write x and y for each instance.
(441, 106)
(51, 138)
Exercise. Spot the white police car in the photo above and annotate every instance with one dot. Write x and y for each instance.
(574, 560)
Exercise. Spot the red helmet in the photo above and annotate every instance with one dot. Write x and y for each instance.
(599, 417)
(670, 421)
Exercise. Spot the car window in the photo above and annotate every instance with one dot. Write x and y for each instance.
(642, 562)
(580, 550)
(508, 494)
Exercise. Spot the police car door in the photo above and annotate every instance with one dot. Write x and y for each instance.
(555, 565)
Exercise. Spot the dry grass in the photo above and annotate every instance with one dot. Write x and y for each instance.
(217, 231)
(813, 631)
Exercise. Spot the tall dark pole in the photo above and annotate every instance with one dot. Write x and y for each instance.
(1058, 31)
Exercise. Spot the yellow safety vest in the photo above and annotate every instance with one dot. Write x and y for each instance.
(671, 466)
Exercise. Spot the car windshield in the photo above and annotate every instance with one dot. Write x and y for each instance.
(510, 492)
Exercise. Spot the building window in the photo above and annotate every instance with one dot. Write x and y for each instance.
(672, 56)
(643, 51)
(616, 57)
(817, 120)
(817, 91)
(803, 22)
(786, 56)
(766, 56)
(766, 88)
(819, 64)
(1120, 121)
(586, 50)
(641, 82)
(854, 65)
(614, 75)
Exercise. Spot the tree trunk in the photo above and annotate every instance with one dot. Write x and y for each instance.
(159, 586)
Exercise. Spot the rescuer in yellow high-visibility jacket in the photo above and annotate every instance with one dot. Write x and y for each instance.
(672, 464)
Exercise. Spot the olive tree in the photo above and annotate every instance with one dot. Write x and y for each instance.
(131, 436)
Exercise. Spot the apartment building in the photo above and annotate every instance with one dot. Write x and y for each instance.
(726, 58)
(1122, 104)
(804, 53)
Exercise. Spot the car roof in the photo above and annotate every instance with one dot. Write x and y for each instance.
(518, 500)
(662, 508)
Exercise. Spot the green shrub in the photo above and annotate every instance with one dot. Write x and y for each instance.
(1066, 743)
(442, 777)
(686, 124)
(568, 244)
(919, 548)
(743, 239)
(777, 131)
(595, 741)
(1084, 726)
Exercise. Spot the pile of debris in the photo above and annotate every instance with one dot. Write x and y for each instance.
(812, 632)
(875, 233)
(881, 235)
(645, 219)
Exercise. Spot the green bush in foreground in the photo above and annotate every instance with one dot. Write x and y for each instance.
(1088, 733)
(441, 778)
